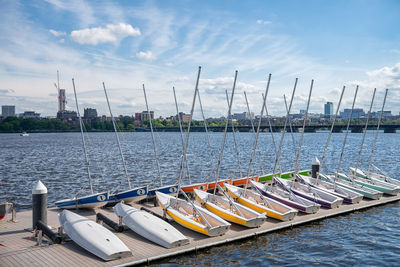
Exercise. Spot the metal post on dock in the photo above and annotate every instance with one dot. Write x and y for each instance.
(315, 168)
(39, 204)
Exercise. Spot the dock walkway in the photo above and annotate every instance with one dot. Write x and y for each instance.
(18, 247)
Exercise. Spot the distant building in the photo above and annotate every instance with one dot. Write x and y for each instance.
(328, 108)
(184, 117)
(243, 116)
(144, 115)
(90, 113)
(66, 115)
(357, 113)
(62, 100)
(302, 111)
(29, 115)
(7, 111)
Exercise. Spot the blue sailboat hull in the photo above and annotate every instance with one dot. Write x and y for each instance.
(84, 202)
(169, 189)
(129, 196)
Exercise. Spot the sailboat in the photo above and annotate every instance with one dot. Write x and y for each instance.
(167, 189)
(381, 176)
(132, 194)
(286, 197)
(252, 199)
(185, 212)
(377, 181)
(150, 226)
(224, 206)
(93, 237)
(349, 196)
(376, 186)
(306, 191)
(192, 216)
(94, 200)
(260, 203)
(278, 190)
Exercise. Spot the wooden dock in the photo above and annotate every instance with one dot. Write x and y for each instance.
(18, 246)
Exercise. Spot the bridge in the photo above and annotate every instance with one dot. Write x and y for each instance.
(355, 128)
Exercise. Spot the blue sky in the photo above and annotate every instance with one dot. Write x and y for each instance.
(161, 44)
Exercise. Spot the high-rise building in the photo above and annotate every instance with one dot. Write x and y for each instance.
(7, 111)
(328, 108)
(62, 100)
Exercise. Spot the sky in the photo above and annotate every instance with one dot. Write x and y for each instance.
(161, 44)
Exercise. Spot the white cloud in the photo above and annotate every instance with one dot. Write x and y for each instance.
(112, 33)
(145, 55)
(62, 41)
(386, 77)
(263, 22)
(57, 33)
(396, 51)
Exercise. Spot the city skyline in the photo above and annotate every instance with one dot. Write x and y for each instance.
(161, 44)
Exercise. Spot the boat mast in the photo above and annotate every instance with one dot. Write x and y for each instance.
(234, 138)
(117, 137)
(152, 137)
(181, 130)
(255, 134)
(83, 138)
(377, 131)
(258, 130)
(330, 132)
(290, 126)
(284, 128)
(187, 136)
(272, 135)
(221, 152)
(347, 132)
(304, 126)
(365, 129)
(208, 137)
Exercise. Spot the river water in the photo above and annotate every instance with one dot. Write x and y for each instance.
(370, 237)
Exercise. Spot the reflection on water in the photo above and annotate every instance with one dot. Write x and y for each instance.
(370, 237)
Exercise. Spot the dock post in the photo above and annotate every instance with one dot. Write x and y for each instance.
(316, 165)
(39, 204)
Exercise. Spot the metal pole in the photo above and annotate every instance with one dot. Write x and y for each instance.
(188, 132)
(272, 135)
(258, 130)
(255, 134)
(208, 136)
(304, 126)
(117, 137)
(234, 138)
(221, 152)
(83, 138)
(377, 131)
(290, 126)
(284, 127)
(181, 130)
(347, 130)
(152, 137)
(365, 129)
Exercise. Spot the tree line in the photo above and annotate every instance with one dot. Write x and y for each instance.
(15, 125)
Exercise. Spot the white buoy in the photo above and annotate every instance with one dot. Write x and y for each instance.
(315, 168)
(39, 204)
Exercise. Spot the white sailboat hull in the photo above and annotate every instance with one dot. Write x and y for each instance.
(150, 226)
(93, 237)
